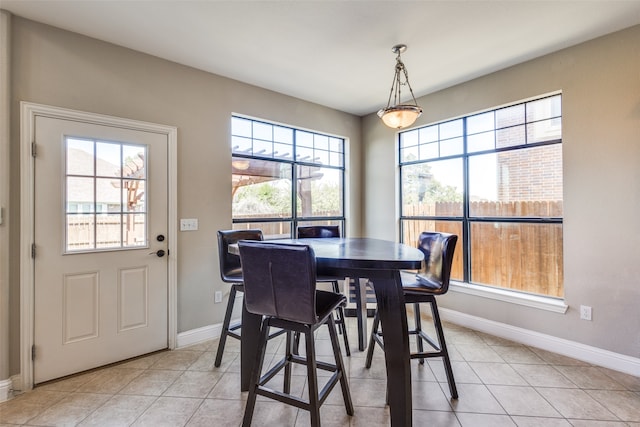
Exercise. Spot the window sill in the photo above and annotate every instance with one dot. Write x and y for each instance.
(535, 301)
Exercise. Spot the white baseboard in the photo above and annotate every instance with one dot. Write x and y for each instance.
(198, 335)
(6, 387)
(586, 353)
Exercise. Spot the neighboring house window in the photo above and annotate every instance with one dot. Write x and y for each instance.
(495, 180)
(283, 177)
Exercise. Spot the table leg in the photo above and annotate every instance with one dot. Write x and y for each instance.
(250, 337)
(361, 312)
(393, 319)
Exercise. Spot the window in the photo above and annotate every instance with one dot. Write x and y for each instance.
(105, 195)
(495, 180)
(283, 177)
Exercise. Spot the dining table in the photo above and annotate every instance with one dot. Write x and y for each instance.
(380, 261)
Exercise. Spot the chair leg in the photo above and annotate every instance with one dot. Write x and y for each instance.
(255, 375)
(372, 340)
(443, 349)
(346, 394)
(225, 325)
(418, 331)
(340, 320)
(287, 367)
(312, 378)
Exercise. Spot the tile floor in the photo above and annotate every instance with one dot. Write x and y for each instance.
(500, 383)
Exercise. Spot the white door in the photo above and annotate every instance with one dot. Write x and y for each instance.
(100, 279)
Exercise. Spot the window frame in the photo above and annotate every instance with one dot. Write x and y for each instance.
(466, 219)
(294, 219)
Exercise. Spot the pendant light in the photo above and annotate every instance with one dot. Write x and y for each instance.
(397, 115)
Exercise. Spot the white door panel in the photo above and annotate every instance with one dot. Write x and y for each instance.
(100, 290)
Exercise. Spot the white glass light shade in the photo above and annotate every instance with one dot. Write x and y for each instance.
(400, 116)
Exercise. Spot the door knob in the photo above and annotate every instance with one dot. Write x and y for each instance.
(159, 253)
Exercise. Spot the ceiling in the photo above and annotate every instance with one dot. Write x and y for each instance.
(338, 53)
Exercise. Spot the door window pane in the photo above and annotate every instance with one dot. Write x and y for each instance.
(99, 190)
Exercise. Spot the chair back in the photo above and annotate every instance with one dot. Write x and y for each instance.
(230, 269)
(316, 231)
(438, 249)
(279, 280)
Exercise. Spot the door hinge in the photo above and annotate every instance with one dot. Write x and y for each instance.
(33, 149)
(33, 250)
(33, 352)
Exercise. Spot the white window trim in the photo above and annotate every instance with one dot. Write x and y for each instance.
(535, 301)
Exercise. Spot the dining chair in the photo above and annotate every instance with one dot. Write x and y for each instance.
(231, 272)
(280, 286)
(322, 231)
(422, 287)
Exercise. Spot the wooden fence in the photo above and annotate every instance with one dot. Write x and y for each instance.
(522, 257)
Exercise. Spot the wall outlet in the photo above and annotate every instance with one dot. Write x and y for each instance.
(217, 297)
(188, 224)
(585, 312)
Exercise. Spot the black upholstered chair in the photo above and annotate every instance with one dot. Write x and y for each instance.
(321, 231)
(280, 285)
(423, 287)
(231, 272)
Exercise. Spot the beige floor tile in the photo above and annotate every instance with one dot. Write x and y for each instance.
(631, 382)
(29, 405)
(517, 400)
(478, 353)
(176, 360)
(110, 380)
(193, 384)
(462, 372)
(429, 396)
(575, 403)
(518, 354)
(228, 387)
(557, 359)
(152, 382)
(589, 377)
(70, 410)
(592, 423)
(218, 413)
(271, 413)
(120, 410)
(331, 416)
(435, 419)
(540, 422)
(168, 411)
(624, 404)
(371, 417)
(476, 398)
(485, 420)
(497, 373)
(543, 376)
(368, 392)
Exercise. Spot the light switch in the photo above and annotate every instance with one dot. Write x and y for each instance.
(188, 224)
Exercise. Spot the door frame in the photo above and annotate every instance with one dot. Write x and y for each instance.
(28, 113)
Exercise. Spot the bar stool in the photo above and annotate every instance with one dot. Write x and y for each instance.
(322, 231)
(280, 285)
(423, 287)
(231, 272)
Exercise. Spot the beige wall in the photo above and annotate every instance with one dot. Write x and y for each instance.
(55, 67)
(600, 82)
